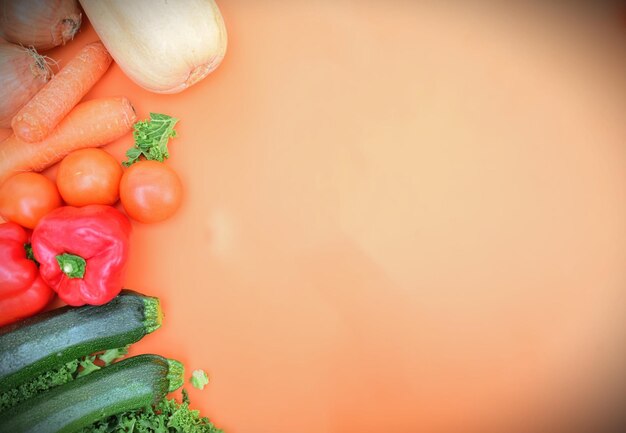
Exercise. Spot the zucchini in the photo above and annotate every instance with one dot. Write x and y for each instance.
(131, 384)
(49, 340)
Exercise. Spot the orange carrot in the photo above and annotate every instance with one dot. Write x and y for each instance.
(91, 124)
(52, 103)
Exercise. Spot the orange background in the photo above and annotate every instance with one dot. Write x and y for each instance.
(397, 217)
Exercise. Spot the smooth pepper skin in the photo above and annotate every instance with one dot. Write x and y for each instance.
(23, 292)
(99, 236)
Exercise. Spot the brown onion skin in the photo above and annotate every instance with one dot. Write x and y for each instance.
(42, 24)
(23, 73)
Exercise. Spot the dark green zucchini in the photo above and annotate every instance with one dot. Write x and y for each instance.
(127, 385)
(43, 342)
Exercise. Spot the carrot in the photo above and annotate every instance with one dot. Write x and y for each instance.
(52, 103)
(91, 124)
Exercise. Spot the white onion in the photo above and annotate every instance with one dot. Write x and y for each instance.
(42, 24)
(164, 46)
(22, 73)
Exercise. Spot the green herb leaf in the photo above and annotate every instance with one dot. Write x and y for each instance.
(199, 379)
(88, 366)
(151, 138)
(45, 381)
(133, 153)
(112, 355)
(167, 417)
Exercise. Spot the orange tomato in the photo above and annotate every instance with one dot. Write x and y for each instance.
(26, 197)
(89, 176)
(150, 191)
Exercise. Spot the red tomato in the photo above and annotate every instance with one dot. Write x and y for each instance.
(26, 197)
(150, 191)
(89, 176)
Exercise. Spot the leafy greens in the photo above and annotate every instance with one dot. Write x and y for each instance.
(151, 138)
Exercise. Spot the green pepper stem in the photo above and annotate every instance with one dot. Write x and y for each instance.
(29, 253)
(72, 265)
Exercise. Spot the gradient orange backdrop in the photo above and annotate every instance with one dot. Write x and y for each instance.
(398, 217)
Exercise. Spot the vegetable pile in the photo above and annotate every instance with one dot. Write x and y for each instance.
(68, 234)
(80, 241)
(59, 373)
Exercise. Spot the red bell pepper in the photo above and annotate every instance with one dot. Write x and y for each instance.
(83, 252)
(23, 292)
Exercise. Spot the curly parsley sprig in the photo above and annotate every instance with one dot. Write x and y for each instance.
(151, 138)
